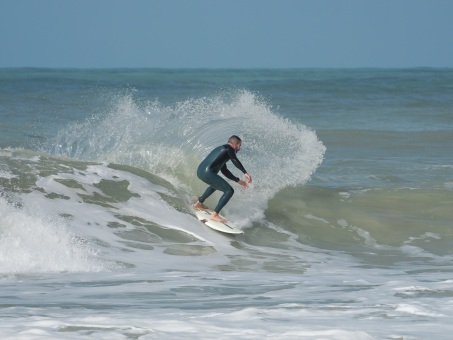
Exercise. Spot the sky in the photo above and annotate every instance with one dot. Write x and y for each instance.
(226, 33)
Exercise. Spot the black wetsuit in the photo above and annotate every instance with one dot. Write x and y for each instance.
(208, 173)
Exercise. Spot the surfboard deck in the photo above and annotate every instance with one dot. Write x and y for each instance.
(227, 227)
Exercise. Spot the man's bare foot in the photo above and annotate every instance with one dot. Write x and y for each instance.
(200, 206)
(216, 217)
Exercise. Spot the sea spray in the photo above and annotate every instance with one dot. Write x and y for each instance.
(171, 140)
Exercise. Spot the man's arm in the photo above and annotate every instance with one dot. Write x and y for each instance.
(227, 173)
(235, 160)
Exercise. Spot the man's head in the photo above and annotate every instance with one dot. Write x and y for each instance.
(235, 142)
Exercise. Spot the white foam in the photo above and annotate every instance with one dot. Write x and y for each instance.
(448, 185)
(6, 174)
(33, 242)
(417, 310)
(323, 220)
(91, 221)
(345, 194)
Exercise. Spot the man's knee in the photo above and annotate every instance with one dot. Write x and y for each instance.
(229, 191)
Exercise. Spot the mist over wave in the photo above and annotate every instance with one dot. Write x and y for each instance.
(170, 141)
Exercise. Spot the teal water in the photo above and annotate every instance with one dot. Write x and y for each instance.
(347, 226)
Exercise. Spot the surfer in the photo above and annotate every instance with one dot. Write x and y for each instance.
(208, 173)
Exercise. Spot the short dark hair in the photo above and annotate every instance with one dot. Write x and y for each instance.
(234, 139)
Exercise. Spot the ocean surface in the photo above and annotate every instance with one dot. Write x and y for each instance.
(348, 224)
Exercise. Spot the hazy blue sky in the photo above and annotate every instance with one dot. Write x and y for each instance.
(226, 33)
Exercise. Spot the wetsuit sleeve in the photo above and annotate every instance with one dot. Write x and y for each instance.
(235, 160)
(228, 174)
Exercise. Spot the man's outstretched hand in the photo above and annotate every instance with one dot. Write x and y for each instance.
(249, 180)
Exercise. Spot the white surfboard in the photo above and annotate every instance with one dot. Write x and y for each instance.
(227, 227)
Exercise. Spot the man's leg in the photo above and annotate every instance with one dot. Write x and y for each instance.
(228, 192)
(199, 204)
(209, 191)
(216, 183)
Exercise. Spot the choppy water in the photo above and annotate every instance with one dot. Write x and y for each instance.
(348, 224)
